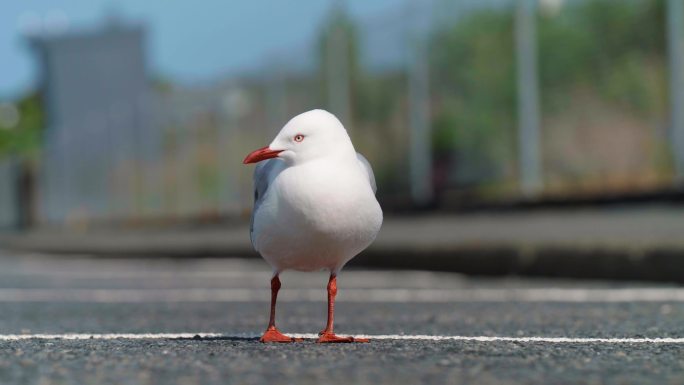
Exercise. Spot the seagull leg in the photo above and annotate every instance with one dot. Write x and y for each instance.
(272, 334)
(328, 335)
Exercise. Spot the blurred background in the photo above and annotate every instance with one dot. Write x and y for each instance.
(127, 112)
(509, 139)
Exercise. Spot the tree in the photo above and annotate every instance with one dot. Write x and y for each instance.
(24, 138)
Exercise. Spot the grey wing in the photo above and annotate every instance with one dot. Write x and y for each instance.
(261, 173)
(369, 169)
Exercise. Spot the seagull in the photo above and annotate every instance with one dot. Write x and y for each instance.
(314, 206)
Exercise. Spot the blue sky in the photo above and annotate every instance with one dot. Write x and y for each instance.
(187, 42)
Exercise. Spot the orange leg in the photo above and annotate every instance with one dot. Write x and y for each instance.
(272, 334)
(328, 335)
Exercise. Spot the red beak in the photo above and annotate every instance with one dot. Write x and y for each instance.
(261, 154)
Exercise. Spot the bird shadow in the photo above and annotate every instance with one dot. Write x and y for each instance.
(219, 338)
(232, 338)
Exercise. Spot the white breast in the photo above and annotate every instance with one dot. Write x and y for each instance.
(316, 216)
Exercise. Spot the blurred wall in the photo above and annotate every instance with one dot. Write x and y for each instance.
(9, 214)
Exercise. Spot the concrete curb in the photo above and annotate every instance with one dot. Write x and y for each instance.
(540, 260)
(633, 243)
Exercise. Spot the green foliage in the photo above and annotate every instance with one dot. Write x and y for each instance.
(376, 97)
(612, 48)
(474, 63)
(373, 97)
(24, 139)
(607, 46)
(340, 27)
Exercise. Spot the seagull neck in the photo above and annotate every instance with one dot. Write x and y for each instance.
(338, 153)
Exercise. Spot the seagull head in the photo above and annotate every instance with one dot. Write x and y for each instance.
(308, 136)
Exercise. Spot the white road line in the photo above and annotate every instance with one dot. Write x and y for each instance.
(419, 337)
(108, 336)
(130, 275)
(348, 295)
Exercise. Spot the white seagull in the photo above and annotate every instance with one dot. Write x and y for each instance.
(314, 206)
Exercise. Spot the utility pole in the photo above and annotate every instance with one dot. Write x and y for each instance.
(276, 95)
(675, 39)
(337, 65)
(529, 145)
(420, 150)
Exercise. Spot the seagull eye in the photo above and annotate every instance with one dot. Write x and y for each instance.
(298, 138)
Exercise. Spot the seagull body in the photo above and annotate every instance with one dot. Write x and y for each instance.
(315, 216)
(314, 207)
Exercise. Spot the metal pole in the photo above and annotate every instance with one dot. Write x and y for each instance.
(276, 96)
(528, 98)
(420, 154)
(675, 38)
(338, 80)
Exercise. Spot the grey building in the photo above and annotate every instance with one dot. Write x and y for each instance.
(97, 101)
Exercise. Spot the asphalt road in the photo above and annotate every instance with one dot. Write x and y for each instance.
(424, 327)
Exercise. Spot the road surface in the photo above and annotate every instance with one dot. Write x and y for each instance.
(78, 320)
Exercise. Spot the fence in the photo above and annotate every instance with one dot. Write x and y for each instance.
(447, 98)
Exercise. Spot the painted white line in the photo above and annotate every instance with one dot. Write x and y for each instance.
(348, 295)
(555, 340)
(138, 274)
(358, 279)
(108, 336)
(419, 337)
